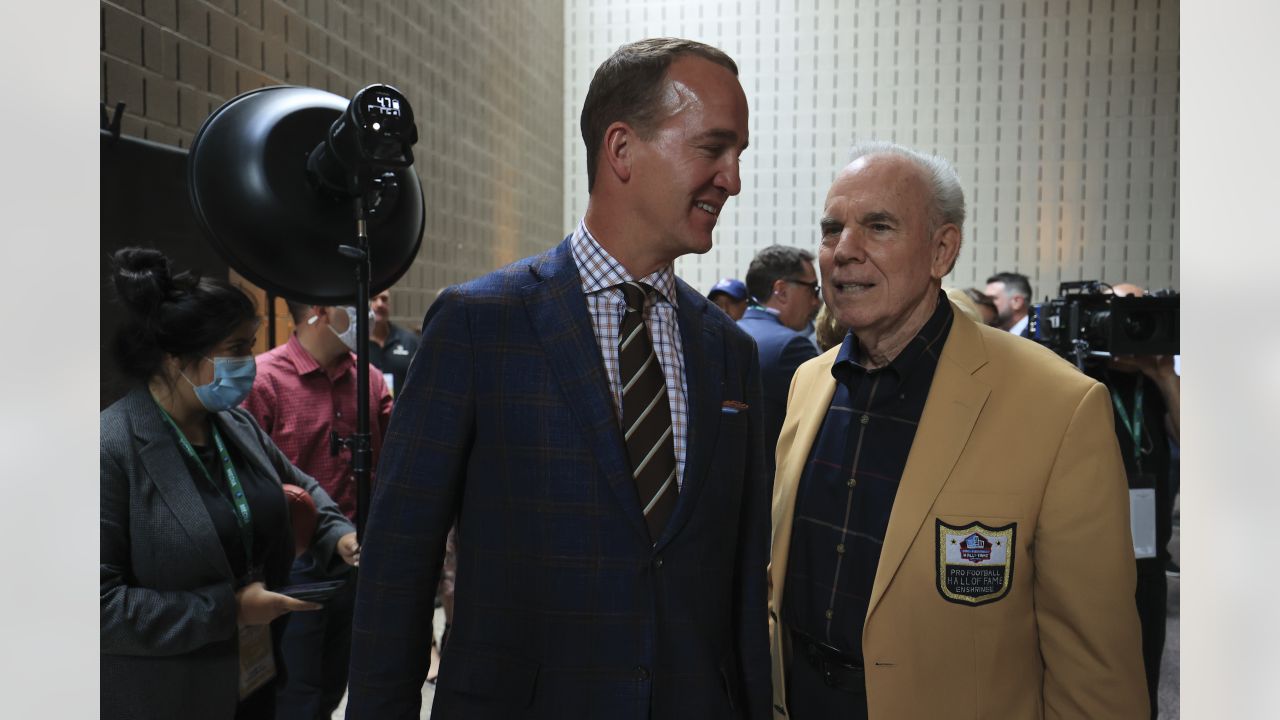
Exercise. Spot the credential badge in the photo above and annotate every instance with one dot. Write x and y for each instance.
(975, 562)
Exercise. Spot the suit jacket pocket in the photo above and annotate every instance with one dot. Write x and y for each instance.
(489, 674)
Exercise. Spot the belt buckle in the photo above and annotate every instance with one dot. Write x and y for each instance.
(839, 675)
(829, 677)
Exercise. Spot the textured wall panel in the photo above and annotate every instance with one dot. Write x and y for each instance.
(1060, 117)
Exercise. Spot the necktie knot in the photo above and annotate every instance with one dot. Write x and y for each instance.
(634, 293)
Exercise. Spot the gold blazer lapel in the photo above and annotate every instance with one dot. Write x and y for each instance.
(955, 400)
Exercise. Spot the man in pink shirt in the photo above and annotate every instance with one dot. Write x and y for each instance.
(304, 396)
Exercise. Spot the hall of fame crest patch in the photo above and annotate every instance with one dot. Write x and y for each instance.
(975, 562)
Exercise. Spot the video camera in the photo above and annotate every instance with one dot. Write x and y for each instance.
(1085, 322)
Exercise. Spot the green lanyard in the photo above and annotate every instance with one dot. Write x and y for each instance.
(239, 502)
(1134, 426)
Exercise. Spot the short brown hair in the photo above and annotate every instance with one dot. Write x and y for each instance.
(628, 87)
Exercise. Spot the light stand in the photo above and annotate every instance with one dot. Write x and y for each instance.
(362, 442)
(373, 137)
(278, 174)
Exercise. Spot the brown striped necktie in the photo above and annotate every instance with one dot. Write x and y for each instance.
(646, 414)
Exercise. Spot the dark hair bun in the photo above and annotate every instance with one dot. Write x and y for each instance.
(178, 314)
(142, 280)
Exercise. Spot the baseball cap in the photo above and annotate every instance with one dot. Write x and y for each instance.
(731, 287)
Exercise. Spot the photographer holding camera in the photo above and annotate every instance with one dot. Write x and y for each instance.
(1145, 394)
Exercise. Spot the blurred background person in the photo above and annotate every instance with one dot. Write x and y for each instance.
(988, 313)
(828, 331)
(304, 397)
(1146, 397)
(730, 295)
(964, 303)
(784, 294)
(1012, 295)
(195, 530)
(391, 347)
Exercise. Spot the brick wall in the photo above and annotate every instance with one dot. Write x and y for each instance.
(485, 79)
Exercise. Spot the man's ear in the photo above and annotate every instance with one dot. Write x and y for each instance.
(619, 149)
(946, 248)
(778, 290)
(320, 312)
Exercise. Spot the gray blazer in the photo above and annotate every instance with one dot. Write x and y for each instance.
(169, 641)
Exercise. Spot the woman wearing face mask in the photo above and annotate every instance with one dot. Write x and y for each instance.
(194, 525)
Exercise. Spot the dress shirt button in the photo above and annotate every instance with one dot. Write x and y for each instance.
(840, 548)
(829, 613)
(642, 672)
(864, 419)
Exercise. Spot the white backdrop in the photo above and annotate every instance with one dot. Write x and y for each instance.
(1061, 118)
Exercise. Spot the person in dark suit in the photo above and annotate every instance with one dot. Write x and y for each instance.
(391, 347)
(612, 543)
(1011, 292)
(194, 525)
(785, 297)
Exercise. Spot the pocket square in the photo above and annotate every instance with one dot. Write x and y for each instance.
(732, 407)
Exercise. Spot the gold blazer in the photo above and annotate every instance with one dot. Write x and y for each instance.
(1017, 446)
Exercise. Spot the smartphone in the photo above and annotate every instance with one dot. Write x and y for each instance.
(313, 592)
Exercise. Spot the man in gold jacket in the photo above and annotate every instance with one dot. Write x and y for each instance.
(950, 512)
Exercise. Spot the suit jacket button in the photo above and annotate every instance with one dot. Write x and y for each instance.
(657, 563)
(642, 672)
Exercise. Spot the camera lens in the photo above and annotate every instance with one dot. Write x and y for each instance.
(1140, 326)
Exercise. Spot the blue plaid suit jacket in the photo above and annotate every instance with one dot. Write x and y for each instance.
(563, 607)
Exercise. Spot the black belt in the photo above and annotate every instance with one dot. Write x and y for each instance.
(838, 669)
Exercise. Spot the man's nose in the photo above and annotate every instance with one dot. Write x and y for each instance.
(850, 247)
(729, 178)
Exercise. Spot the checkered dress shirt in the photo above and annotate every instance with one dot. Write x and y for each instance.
(848, 485)
(298, 403)
(601, 277)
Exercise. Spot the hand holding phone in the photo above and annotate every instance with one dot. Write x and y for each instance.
(313, 592)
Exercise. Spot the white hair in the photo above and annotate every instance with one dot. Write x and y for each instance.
(948, 197)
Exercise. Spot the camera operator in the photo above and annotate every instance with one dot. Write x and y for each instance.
(1146, 398)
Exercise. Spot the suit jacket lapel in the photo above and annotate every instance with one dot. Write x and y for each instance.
(162, 460)
(558, 313)
(703, 347)
(955, 400)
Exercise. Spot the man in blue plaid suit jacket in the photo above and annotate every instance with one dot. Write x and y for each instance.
(567, 604)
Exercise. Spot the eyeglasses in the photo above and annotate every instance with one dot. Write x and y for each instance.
(814, 286)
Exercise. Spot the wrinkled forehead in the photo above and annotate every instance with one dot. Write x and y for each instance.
(879, 179)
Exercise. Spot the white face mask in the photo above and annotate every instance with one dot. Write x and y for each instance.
(348, 336)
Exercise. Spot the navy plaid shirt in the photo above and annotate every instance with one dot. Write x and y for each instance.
(849, 482)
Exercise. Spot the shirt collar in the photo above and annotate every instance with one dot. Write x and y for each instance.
(928, 340)
(305, 364)
(600, 270)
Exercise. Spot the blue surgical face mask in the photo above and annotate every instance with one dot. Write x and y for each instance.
(232, 381)
(348, 336)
